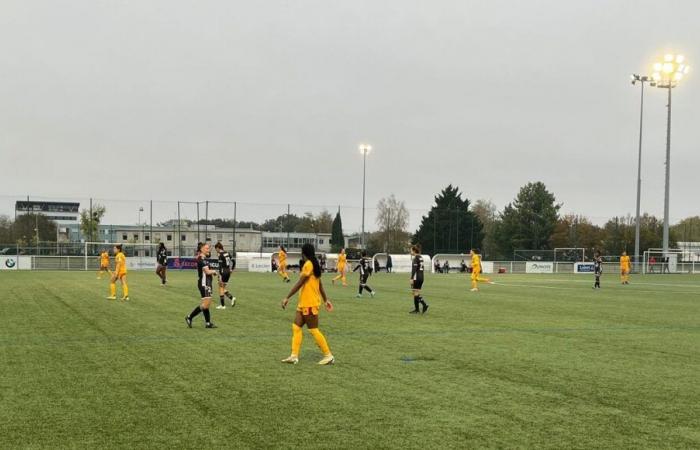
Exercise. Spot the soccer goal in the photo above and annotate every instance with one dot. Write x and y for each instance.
(656, 261)
(569, 254)
(139, 256)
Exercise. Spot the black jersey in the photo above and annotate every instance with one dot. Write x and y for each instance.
(225, 262)
(418, 268)
(364, 267)
(598, 265)
(162, 257)
(204, 279)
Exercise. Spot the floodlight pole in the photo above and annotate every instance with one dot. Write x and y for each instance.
(642, 80)
(364, 178)
(668, 172)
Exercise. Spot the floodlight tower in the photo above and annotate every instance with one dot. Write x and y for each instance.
(639, 79)
(667, 74)
(364, 149)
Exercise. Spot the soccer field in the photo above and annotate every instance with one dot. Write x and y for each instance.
(539, 361)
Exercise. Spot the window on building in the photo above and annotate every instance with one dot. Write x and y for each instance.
(147, 237)
(183, 238)
(124, 237)
(136, 237)
(320, 242)
(169, 237)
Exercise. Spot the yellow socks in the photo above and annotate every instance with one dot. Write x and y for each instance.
(320, 340)
(296, 339)
(112, 289)
(125, 289)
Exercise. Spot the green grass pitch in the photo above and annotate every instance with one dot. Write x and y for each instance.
(536, 361)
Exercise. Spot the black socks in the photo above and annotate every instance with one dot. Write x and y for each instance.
(195, 312)
(227, 294)
(207, 316)
(221, 299)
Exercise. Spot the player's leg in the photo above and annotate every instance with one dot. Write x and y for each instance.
(474, 278)
(125, 287)
(222, 289)
(297, 337)
(311, 321)
(113, 287)
(367, 287)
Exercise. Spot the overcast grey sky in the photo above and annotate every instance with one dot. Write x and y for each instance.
(269, 99)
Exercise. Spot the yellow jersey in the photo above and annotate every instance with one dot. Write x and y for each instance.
(476, 263)
(104, 259)
(120, 264)
(310, 294)
(341, 260)
(624, 262)
(283, 258)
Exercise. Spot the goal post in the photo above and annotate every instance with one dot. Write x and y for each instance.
(656, 261)
(139, 256)
(569, 254)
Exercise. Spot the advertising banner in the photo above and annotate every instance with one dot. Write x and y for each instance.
(140, 263)
(539, 267)
(258, 264)
(189, 263)
(8, 263)
(584, 267)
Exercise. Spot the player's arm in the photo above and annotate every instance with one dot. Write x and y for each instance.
(302, 280)
(209, 271)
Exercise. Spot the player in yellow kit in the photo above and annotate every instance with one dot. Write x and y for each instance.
(282, 269)
(104, 263)
(342, 264)
(118, 274)
(476, 271)
(625, 268)
(308, 307)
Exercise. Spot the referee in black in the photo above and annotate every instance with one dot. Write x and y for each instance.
(417, 276)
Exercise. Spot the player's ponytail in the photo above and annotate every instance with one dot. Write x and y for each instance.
(310, 255)
(199, 249)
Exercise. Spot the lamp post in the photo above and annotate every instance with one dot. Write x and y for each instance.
(641, 79)
(140, 211)
(667, 74)
(364, 149)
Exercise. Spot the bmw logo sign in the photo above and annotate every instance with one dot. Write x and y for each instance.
(10, 263)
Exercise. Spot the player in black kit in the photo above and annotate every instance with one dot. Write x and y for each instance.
(205, 275)
(162, 266)
(598, 269)
(365, 268)
(226, 266)
(417, 280)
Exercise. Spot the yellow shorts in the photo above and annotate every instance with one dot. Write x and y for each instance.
(475, 275)
(105, 267)
(308, 310)
(121, 275)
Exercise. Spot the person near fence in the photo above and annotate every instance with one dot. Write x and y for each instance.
(282, 269)
(476, 271)
(625, 268)
(417, 277)
(597, 269)
(162, 263)
(104, 263)
(119, 274)
(226, 266)
(205, 276)
(307, 312)
(341, 268)
(389, 264)
(365, 268)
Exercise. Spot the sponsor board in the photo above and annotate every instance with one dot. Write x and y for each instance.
(8, 263)
(258, 264)
(539, 267)
(584, 267)
(486, 267)
(189, 263)
(140, 263)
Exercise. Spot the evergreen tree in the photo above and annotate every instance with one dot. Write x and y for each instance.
(337, 238)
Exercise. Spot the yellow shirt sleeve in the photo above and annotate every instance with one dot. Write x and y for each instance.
(308, 269)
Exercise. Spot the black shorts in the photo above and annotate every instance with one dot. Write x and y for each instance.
(418, 284)
(225, 276)
(364, 278)
(204, 291)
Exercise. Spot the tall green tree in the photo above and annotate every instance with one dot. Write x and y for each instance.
(337, 237)
(487, 213)
(6, 236)
(529, 221)
(450, 226)
(618, 234)
(392, 220)
(687, 230)
(27, 226)
(90, 224)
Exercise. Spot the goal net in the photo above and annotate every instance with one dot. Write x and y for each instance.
(656, 261)
(572, 254)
